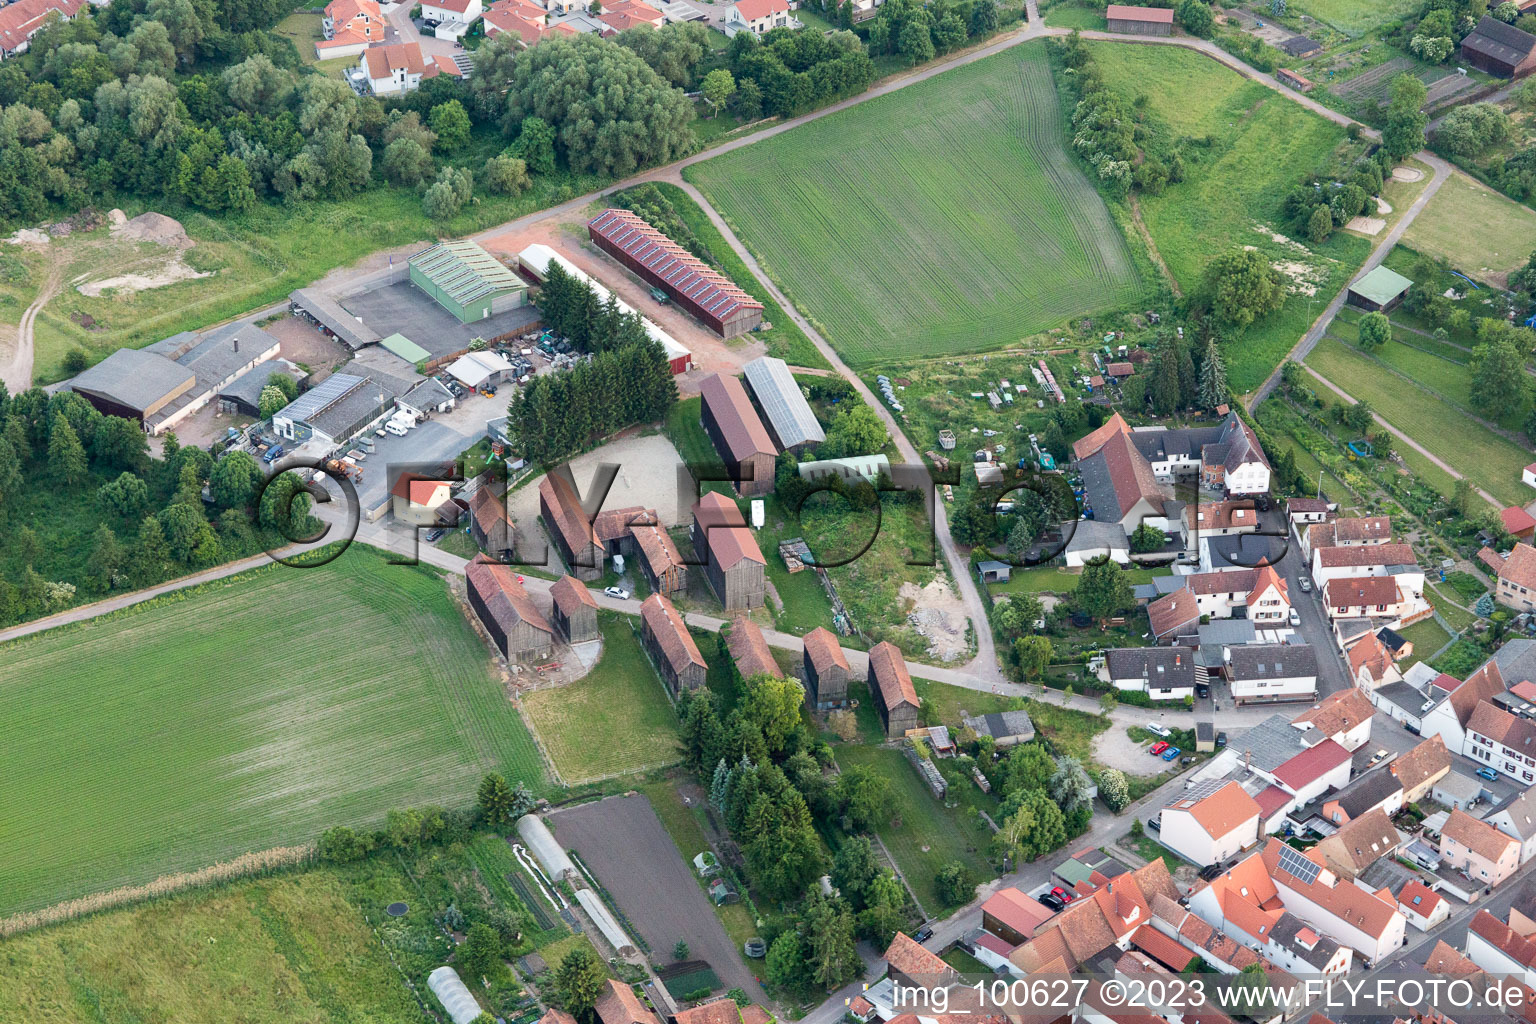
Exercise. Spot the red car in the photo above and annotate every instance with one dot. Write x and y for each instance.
(1159, 746)
(1062, 894)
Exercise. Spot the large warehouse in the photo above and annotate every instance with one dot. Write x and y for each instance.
(785, 410)
(659, 261)
(466, 280)
(739, 436)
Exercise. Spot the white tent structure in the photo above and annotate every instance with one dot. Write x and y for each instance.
(536, 260)
(455, 997)
(552, 857)
(601, 916)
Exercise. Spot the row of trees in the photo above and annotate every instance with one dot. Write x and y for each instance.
(559, 414)
(574, 312)
(919, 32)
(1125, 146)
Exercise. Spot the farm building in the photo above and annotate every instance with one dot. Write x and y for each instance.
(476, 370)
(1301, 47)
(725, 546)
(618, 1004)
(1007, 728)
(20, 21)
(1140, 21)
(428, 396)
(1381, 290)
(519, 629)
(661, 563)
(670, 645)
(1288, 77)
(337, 409)
(890, 687)
(993, 571)
(1499, 49)
(714, 299)
(489, 523)
(569, 527)
(466, 280)
(133, 384)
(327, 314)
(575, 611)
(422, 501)
(785, 410)
(534, 262)
(749, 650)
(824, 670)
(739, 436)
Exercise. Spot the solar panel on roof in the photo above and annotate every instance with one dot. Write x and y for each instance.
(1299, 867)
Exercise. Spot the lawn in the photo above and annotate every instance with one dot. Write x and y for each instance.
(1055, 579)
(273, 951)
(1427, 637)
(1505, 235)
(920, 833)
(1073, 16)
(1234, 190)
(241, 715)
(1486, 458)
(1356, 17)
(615, 720)
(893, 258)
(1455, 614)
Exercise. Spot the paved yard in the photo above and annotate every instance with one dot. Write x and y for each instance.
(647, 477)
(624, 844)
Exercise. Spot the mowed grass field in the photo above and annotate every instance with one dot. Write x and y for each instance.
(946, 217)
(275, 951)
(615, 719)
(1234, 189)
(1505, 235)
(1486, 459)
(238, 716)
(1356, 17)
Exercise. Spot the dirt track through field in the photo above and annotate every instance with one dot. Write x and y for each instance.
(623, 843)
(17, 371)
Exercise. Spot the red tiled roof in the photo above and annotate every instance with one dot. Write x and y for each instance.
(910, 958)
(1369, 591)
(1225, 581)
(618, 1004)
(732, 410)
(1478, 687)
(571, 596)
(1366, 554)
(682, 270)
(1120, 12)
(1338, 712)
(1016, 910)
(1371, 654)
(384, 61)
(1271, 799)
(1343, 898)
(749, 649)
(1092, 442)
(891, 675)
(1517, 520)
(666, 625)
(1130, 475)
(727, 535)
(506, 598)
(1502, 727)
(1521, 949)
(1363, 528)
(1492, 559)
(1427, 898)
(1444, 959)
(1424, 762)
(1520, 567)
(1478, 836)
(751, 10)
(1311, 764)
(824, 650)
(1171, 611)
(1154, 943)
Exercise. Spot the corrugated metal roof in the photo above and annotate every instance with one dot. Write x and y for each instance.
(320, 397)
(332, 315)
(1381, 285)
(787, 410)
(465, 271)
(405, 348)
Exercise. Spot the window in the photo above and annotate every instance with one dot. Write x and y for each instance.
(1417, 900)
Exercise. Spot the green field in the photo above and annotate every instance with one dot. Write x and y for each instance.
(614, 720)
(920, 833)
(1487, 459)
(1427, 637)
(1233, 192)
(241, 715)
(1505, 235)
(1356, 17)
(942, 218)
(274, 951)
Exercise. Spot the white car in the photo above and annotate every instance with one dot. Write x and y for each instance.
(618, 592)
(1158, 730)
(1295, 617)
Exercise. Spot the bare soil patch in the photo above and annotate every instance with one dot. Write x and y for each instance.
(938, 615)
(647, 477)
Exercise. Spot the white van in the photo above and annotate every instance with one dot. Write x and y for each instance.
(394, 427)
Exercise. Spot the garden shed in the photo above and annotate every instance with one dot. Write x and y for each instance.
(1380, 291)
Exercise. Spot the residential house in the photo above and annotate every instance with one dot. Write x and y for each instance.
(670, 645)
(1344, 716)
(575, 611)
(1302, 513)
(1220, 519)
(1223, 593)
(1478, 850)
(1013, 916)
(1449, 719)
(722, 1011)
(627, 14)
(824, 670)
(1249, 899)
(1504, 742)
(349, 28)
(1162, 673)
(519, 629)
(1420, 768)
(527, 20)
(1424, 908)
(909, 964)
(1364, 597)
(757, 17)
(1375, 560)
(1210, 823)
(1271, 673)
(1269, 602)
(738, 434)
(418, 501)
(454, 17)
(1174, 615)
(22, 20)
(1517, 818)
(569, 527)
(1103, 920)
(750, 651)
(1504, 947)
(1370, 663)
(1359, 843)
(1375, 790)
(393, 69)
(1516, 587)
(1346, 532)
(489, 524)
(891, 690)
(618, 1004)
(732, 561)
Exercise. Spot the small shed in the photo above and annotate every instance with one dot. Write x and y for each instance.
(1288, 77)
(1139, 21)
(992, 571)
(575, 610)
(1380, 291)
(1301, 47)
(1205, 737)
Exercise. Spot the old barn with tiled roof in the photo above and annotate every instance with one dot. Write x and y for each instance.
(575, 610)
(824, 670)
(520, 630)
(670, 645)
(890, 687)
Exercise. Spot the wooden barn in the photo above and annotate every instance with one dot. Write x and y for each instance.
(568, 526)
(516, 625)
(489, 523)
(733, 563)
(749, 649)
(1139, 21)
(575, 611)
(824, 670)
(738, 434)
(1499, 49)
(890, 687)
(670, 645)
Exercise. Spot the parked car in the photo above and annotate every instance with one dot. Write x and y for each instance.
(1306, 584)
(1158, 730)
(1155, 823)
(1221, 739)
(1171, 754)
(1159, 746)
(1202, 690)
(1062, 894)
(618, 592)
(923, 934)
(1488, 773)
(1295, 617)
(1209, 872)
(433, 536)
(1047, 900)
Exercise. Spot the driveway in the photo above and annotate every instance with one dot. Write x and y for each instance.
(406, 31)
(623, 843)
